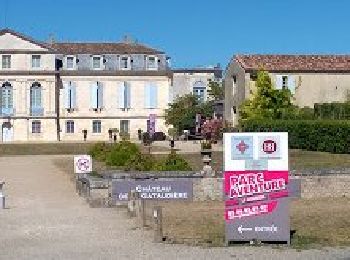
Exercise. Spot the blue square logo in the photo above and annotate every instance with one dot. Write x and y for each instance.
(242, 147)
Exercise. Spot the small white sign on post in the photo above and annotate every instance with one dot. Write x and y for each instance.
(82, 164)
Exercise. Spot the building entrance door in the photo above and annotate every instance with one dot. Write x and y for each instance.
(7, 132)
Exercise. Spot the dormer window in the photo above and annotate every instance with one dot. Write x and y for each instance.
(70, 62)
(125, 63)
(152, 63)
(97, 62)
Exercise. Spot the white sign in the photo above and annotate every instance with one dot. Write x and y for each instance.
(82, 164)
(256, 151)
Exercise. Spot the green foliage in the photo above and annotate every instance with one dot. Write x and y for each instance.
(216, 90)
(128, 156)
(124, 136)
(266, 102)
(99, 151)
(334, 110)
(121, 153)
(313, 135)
(182, 112)
(141, 162)
(173, 162)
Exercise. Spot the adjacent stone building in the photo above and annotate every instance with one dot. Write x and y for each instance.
(311, 78)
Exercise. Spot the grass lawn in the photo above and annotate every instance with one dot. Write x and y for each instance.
(54, 148)
(317, 222)
(298, 160)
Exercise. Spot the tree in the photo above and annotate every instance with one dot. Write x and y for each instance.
(182, 112)
(266, 101)
(216, 90)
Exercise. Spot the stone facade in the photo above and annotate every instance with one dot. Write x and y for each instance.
(42, 114)
(190, 81)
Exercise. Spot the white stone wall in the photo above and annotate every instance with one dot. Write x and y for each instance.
(111, 114)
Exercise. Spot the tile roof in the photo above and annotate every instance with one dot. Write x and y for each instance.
(316, 63)
(103, 48)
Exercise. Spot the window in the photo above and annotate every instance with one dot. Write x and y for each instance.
(6, 61)
(284, 81)
(124, 126)
(70, 62)
(35, 100)
(70, 95)
(6, 99)
(125, 62)
(151, 95)
(69, 127)
(124, 95)
(36, 127)
(36, 61)
(151, 62)
(96, 62)
(199, 90)
(96, 95)
(96, 126)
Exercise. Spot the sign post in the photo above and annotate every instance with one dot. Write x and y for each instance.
(82, 164)
(256, 187)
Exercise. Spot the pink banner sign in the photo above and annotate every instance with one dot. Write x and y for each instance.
(253, 193)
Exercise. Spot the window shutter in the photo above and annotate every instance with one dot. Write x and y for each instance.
(128, 95)
(291, 84)
(73, 94)
(278, 81)
(154, 96)
(121, 90)
(66, 95)
(100, 95)
(93, 95)
(147, 93)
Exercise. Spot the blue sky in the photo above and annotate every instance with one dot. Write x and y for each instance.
(191, 32)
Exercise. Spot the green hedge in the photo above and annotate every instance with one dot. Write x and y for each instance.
(313, 135)
(339, 111)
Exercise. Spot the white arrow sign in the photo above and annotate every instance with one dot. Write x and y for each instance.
(241, 229)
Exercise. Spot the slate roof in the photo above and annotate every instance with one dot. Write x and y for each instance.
(312, 63)
(103, 48)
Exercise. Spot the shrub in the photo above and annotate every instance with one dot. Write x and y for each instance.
(140, 162)
(99, 151)
(313, 135)
(121, 153)
(173, 162)
(334, 110)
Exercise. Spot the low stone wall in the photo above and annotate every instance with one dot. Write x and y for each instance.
(208, 189)
(325, 186)
(311, 187)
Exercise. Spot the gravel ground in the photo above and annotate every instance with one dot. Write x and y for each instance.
(45, 219)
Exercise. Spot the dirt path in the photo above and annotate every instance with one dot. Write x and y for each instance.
(45, 219)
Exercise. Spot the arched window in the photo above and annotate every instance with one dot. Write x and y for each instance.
(36, 108)
(199, 90)
(6, 99)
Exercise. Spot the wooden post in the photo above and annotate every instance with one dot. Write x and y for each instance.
(131, 204)
(143, 212)
(158, 224)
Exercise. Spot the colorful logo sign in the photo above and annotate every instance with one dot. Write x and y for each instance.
(269, 147)
(242, 148)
